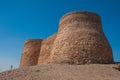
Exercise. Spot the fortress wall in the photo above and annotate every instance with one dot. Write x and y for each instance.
(80, 40)
(46, 48)
(30, 52)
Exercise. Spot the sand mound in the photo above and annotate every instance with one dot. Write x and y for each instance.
(64, 72)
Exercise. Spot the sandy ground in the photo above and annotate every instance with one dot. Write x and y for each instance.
(64, 72)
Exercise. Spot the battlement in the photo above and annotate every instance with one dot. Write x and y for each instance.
(79, 40)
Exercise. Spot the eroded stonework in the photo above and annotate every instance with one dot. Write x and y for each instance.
(80, 40)
(31, 52)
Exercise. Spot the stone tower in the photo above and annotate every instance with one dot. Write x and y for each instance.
(45, 52)
(30, 52)
(79, 40)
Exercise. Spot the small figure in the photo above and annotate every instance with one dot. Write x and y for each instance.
(11, 67)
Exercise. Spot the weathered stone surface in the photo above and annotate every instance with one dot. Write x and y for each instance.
(30, 52)
(46, 48)
(79, 40)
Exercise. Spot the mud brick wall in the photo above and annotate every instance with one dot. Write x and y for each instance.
(30, 52)
(46, 48)
(80, 40)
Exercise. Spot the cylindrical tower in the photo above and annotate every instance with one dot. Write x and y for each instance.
(31, 52)
(46, 48)
(80, 40)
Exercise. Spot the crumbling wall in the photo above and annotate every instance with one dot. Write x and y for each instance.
(30, 52)
(46, 48)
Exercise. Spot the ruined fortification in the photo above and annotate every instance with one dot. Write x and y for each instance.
(79, 40)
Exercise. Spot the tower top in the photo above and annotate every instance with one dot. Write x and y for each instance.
(80, 12)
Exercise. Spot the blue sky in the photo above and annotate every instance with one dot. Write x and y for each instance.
(30, 19)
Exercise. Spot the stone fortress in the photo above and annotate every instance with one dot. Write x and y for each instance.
(79, 40)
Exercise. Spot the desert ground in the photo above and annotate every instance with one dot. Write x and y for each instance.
(64, 72)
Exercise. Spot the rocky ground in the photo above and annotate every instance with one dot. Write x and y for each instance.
(64, 72)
